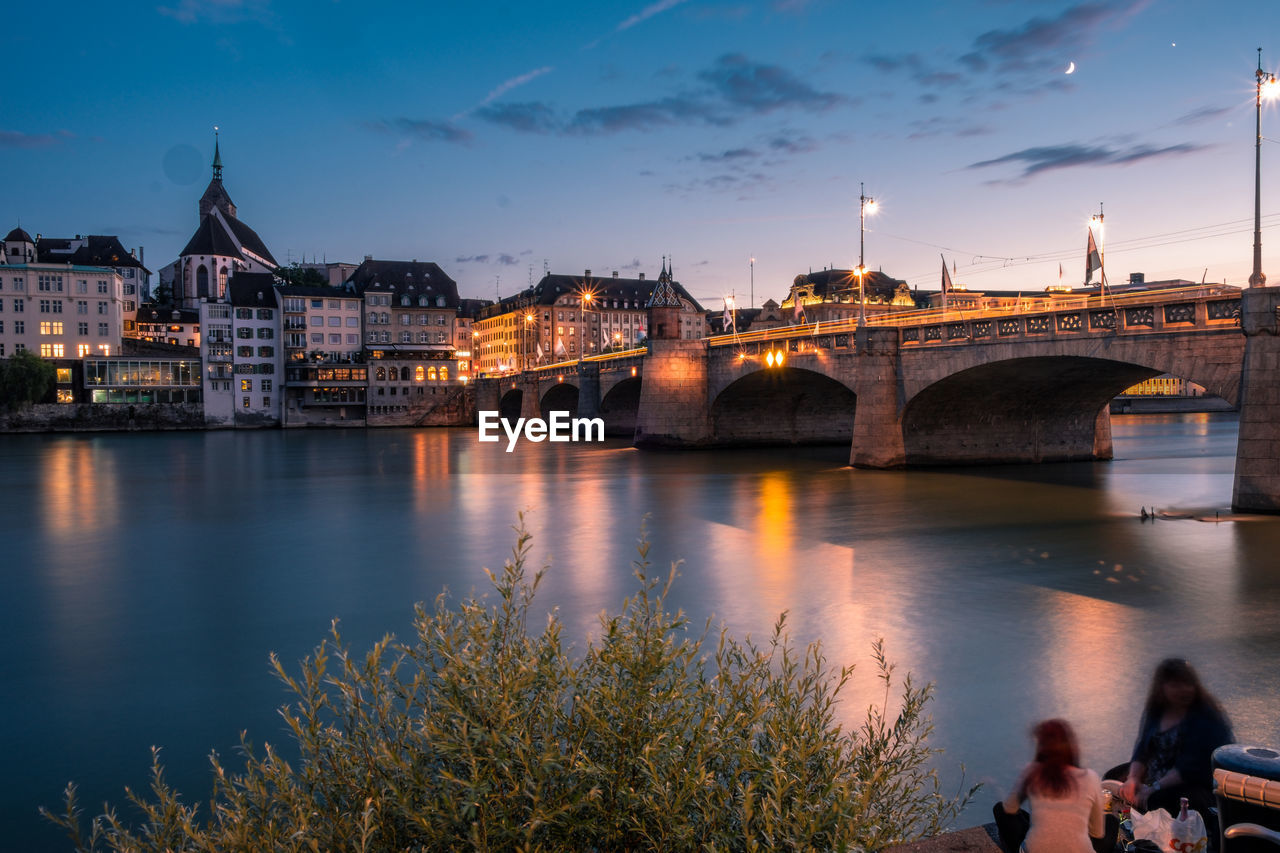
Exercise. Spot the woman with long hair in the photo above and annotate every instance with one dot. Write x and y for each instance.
(1182, 724)
(1065, 799)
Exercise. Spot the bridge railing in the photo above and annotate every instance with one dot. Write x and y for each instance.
(569, 364)
(1024, 306)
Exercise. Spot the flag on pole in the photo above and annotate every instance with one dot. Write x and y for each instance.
(560, 350)
(1092, 259)
(1059, 272)
(799, 314)
(946, 283)
(539, 351)
(729, 324)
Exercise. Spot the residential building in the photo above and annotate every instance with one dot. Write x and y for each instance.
(57, 310)
(94, 250)
(410, 328)
(833, 294)
(325, 379)
(566, 317)
(164, 324)
(221, 247)
(242, 354)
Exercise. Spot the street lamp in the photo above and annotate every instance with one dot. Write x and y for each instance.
(524, 339)
(1267, 88)
(753, 282)
(865, 205)
(587, 296)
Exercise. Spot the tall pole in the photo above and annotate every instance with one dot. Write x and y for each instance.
(753, 282)
(1257, 279)
(862, 261)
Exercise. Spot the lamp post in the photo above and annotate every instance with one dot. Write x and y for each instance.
(865, 204)
(753, 281)
(586, 296)
(524, 339)
(1266, 88)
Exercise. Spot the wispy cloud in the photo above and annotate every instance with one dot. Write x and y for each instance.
(18, 139)
(425, 129)
(529, 117)
(471, 259)
(946, 126)
(648, 12)
(793, 144)
(215, 11)
(1040, 43)
(763, 88)
(1035, 161)
(733, 155)
(505, 259)
(1202, 115)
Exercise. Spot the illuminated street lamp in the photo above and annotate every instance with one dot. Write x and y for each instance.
(1268, 89)
(587, 296)
(865, 206)
(524, 339)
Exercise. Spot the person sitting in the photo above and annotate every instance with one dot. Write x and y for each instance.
(1065, 799)
(1182, 724)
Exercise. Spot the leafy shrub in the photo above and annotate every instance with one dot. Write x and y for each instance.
(485, 732)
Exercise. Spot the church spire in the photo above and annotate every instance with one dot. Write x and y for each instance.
(217, 156)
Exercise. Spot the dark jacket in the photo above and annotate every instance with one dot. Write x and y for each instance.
(1203, 731)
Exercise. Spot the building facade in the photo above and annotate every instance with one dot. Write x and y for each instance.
(240, 348)
(325, 378)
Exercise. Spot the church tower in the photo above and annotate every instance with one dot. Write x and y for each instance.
(664, 308)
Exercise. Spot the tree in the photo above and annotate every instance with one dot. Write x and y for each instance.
(485, 732)
(295, 273)
(25, 378)
(162, 296)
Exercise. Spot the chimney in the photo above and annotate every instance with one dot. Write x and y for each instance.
(615, 273)
(588, 274)
(1137, 278)
(642, 276)
(368, 257)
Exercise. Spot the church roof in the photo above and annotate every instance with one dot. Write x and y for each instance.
(17, 235)
(225, 236)
(215, 195)
(92, 250)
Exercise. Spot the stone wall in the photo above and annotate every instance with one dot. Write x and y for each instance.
(103, 417)
(452, 405)
(673, 397)
(1257, 480)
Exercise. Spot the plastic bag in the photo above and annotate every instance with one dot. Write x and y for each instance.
(1170, 833)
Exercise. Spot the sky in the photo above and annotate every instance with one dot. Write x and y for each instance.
(500, 138)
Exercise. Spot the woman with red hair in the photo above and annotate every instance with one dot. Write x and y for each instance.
(1065, 799)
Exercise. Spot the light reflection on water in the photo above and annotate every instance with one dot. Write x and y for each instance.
(147, 578)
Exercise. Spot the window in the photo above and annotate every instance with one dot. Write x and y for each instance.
(444, 373)
(103, 329)
(419, 373)
(266, 386)
(317, 303)
(82, 350)
(246, 402)
(335, 339)
(317, 338)
(314, 320)
(102, 287)
(404, 373)
(373, 337)
(405, 320)
(82, 328)
(353, 322)
(49, 283)
(335, 304)
(266, 352)
(406, 337)
(19, 327)
(130, 289)
(102, 308)
(246, 384)
(244, 313)
(424, 337)
(50, 328)
(385, 338)
(244, 332)
(381, 374)
(82, 286)
(82, 307)
(18, 306)
(265, 313)
(46, 350)
(244, 352)
(20, 284)
(266, 402)
(335, 321)
(44, 306)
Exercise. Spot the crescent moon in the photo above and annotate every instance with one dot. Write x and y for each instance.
(1071, 68)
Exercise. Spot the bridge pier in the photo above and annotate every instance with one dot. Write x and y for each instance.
(588, 389)
(673, 397)
(1257, 480)
(530, 396)
(877, 420)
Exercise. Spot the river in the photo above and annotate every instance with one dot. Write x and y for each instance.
(148, 576)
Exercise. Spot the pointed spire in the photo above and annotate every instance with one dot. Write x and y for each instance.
(217, 156)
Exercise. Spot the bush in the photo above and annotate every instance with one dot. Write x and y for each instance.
(485, 732)
(25, 378)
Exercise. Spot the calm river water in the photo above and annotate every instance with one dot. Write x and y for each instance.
(147, 577)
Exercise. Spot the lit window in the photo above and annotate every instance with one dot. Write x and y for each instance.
(431, 373)
(444, 373)
(82, 350)
(418, 373)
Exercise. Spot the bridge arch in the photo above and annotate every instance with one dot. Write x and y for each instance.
(783, 406)
(510, 404)
(1032, 409)
(620, 406)
(560, 397)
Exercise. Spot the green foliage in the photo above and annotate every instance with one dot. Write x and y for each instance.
(25, 378)
(162, 296)
(485, 733)
(295, 273)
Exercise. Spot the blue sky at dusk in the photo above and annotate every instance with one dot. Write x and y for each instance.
(493, 137)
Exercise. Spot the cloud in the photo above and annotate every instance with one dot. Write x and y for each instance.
(216, 11)
(644, 116)
(943, 126)
(1039, 43)
(1202, 115)
(763, 88)
(634, 265)
(18, 139)
(426, 129)
(504, 258)
(793, 144)
(648, 12)
(529, 117)
(508, 260)
(730, 156)
(1034, 161)
(471, 259)
(507, 85)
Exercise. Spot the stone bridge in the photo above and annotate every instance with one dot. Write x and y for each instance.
(927, 388)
